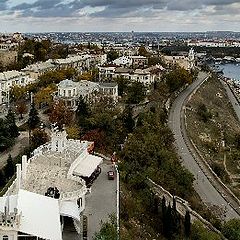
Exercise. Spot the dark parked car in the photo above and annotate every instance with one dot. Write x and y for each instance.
(111, 175)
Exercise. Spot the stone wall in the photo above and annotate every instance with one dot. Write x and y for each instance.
(182, 206)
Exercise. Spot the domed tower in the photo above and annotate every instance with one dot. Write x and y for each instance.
(191, 59)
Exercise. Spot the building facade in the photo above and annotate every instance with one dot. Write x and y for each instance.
(70, 91)
(10, 79)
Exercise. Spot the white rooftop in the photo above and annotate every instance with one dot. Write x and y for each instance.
(40, 215)
(10, 75)
(67, 83)
(87, 165)
(37, 215)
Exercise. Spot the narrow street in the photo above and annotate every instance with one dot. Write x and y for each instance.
(20, 143)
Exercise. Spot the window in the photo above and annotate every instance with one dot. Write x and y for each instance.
(5, 237)
(79, 202)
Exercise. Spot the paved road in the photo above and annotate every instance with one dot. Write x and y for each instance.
(232, 99)
(205, 185)
(21, 143)
(102, 200)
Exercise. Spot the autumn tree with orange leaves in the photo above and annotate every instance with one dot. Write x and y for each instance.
(60, 114)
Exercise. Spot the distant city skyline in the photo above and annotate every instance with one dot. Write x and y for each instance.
(119, 15)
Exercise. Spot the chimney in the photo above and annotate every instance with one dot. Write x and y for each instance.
(18, 182)
(24, 167)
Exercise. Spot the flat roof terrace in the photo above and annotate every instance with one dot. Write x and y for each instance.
(49, 171)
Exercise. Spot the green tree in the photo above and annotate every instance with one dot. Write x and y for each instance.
(136, 93)
(231, 229)
(33, 118)
(122, 85)
(9, 168)
(177, 79)
(153, 60)
(21, 108)
(38, 138)
(74, 132)
(112, 55)
(44, 95)
(17, 93)
(204, 114)
(11, 124)
(108, 230)
(199, 232)
(5, 138)
(128, 120)
(2, 178)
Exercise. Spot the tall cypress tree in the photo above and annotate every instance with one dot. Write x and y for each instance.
(82, 112)
(33, 119)
(187, 224)
(11, 124)
(163, 206)
(128, 119)
(175, 218)
(9, 168)
(2, 178)
(168, 231)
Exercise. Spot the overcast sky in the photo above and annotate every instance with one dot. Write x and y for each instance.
(119, 15)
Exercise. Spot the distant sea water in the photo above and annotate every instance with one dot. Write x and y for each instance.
(231, 70)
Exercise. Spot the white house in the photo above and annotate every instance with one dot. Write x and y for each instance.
(106, 72)
(70, 91)
(144, 76)
(50, 186)
(9, 79)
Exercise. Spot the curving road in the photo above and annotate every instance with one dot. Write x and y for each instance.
(210, 191)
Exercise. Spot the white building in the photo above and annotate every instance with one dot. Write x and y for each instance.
(139, 61)
(9, 79)
(186, 62)
(49, 187)
(70, 91)
(37, 69)
(79, 62)
(106, 72)
(123, 61)
(144, 76)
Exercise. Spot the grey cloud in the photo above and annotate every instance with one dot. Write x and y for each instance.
(40, 4)
(3, 5)
(111, 8)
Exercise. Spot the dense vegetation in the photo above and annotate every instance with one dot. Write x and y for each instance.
(8, 131)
